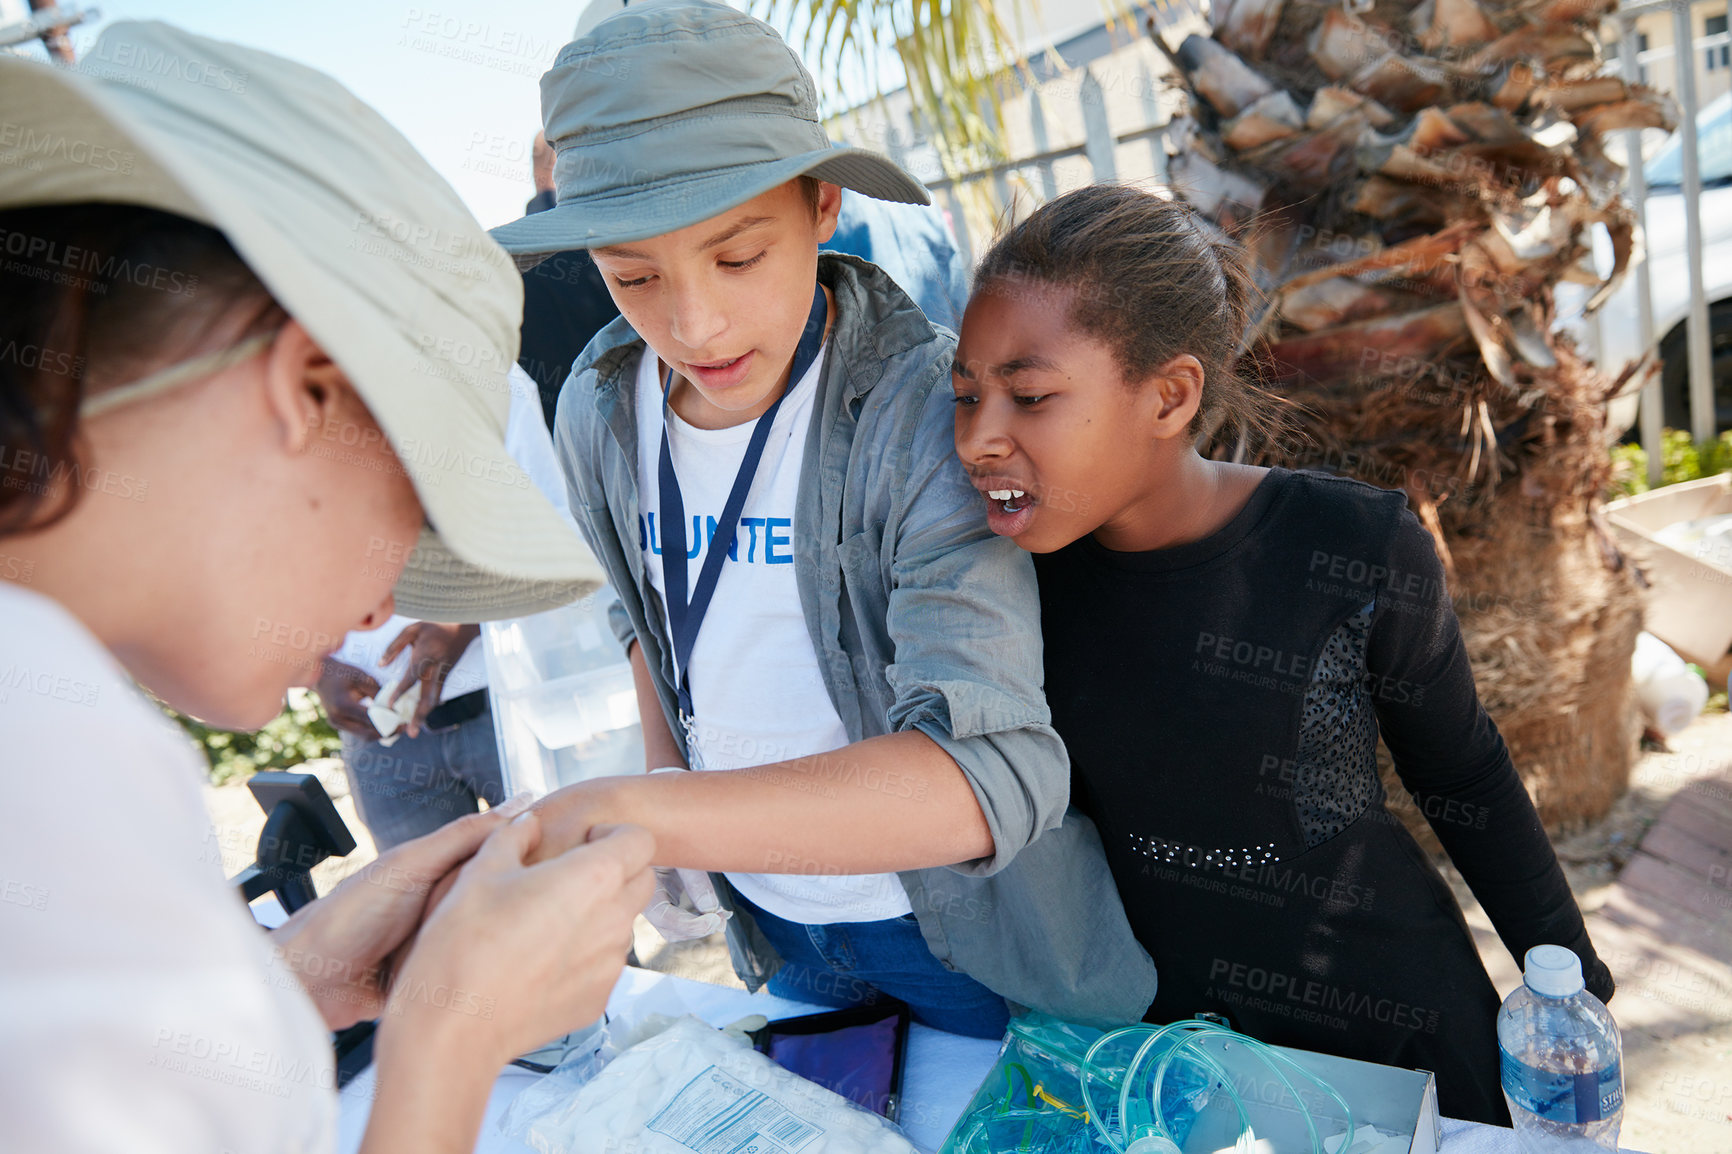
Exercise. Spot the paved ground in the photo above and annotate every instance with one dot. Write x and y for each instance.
(1654, 879)
(1654, 883)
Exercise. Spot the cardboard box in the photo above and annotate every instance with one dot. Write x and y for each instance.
(1690, 595)
(1048, 1056)
(1395, 1100)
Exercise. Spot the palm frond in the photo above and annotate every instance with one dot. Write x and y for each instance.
(954, 56)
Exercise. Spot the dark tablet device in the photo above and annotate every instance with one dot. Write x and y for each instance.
(323, 826)
(858, 1052)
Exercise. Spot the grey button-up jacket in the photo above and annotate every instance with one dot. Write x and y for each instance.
(921, 619)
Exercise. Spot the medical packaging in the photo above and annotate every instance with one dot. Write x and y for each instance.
(693, 1089)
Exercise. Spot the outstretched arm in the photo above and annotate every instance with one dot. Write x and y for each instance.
(888, 803)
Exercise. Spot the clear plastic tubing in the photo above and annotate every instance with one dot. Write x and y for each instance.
(1197, 1032)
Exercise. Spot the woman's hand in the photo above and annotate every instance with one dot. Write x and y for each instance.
(338, 945)
(512, 957)
(519, 954)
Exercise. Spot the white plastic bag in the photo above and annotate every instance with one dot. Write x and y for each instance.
(647, 1015)
(692, 1089)
(1670, 692)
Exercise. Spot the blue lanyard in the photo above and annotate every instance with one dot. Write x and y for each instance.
(685, 617)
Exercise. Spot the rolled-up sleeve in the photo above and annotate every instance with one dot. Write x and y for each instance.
(964, 617)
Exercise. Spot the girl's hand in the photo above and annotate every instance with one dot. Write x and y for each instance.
(339, 944)
(517, 955)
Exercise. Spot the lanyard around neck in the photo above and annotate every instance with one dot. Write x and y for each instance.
(686, 616)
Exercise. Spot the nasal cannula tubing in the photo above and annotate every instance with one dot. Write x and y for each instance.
(1197, 1033)
(1091, 1070)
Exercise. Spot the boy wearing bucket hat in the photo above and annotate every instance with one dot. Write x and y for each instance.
(760, 451)
(252, 394)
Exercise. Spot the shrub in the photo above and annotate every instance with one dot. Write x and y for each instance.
(298, 734)
(1683, 460)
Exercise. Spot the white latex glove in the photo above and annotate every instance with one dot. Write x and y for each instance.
(678, 889)
(667, 911)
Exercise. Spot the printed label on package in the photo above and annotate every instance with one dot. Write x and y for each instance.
(1566, 1098)
(716, 1113)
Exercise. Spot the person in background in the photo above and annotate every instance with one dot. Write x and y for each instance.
(238, 436)
(565, 302)
(541, 172)
(445, 760)
(913, 244)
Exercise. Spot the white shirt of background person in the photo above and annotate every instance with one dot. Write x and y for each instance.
(529, 442)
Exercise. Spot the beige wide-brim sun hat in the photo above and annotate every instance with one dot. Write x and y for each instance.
(358, 239)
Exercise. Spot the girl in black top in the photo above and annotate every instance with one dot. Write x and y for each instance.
(1224, 646)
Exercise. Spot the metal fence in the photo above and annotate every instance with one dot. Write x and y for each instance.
(1696, 337)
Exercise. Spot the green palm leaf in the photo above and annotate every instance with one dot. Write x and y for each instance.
(951, 54)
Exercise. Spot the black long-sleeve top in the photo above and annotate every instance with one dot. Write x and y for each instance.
(1222, 701)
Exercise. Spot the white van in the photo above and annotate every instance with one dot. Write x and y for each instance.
(1669, 277)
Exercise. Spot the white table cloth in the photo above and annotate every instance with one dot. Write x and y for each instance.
(942, 1074)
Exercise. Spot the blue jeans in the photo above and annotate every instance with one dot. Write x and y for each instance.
(853, 963)
(418, 784)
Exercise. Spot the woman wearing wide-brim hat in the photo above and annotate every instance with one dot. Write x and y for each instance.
(252, 393)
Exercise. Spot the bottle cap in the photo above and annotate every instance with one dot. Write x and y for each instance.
(1553, 971)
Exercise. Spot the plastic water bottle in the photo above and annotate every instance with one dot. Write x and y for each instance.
(1561, 1059)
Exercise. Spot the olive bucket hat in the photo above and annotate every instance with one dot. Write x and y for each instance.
(670, 112)
(357, 237)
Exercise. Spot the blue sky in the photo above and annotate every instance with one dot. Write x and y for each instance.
(459, 78)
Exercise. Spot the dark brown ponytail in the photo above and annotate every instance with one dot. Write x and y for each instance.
(1152, 280)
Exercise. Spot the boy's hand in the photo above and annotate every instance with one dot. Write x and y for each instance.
(667, 910)
(569, 817)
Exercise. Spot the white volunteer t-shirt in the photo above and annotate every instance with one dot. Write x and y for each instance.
(139, 1006)
(757, 691)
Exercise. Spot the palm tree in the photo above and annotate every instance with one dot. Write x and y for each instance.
(1414, 179)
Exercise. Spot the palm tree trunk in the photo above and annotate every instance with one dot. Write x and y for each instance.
(1414, 181)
